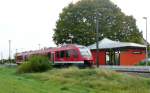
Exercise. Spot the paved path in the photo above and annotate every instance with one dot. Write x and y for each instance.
(143, 71)
(8, 65)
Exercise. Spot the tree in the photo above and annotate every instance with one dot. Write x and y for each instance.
(77, 23)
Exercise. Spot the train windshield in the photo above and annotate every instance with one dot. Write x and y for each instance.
(85, 52)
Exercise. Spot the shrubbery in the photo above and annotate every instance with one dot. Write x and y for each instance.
(36, 63)
(143, 64)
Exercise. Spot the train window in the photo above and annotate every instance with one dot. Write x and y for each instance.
(49, 55)
(57, 54)
(67, 54)
(62, 54)
(85, 52)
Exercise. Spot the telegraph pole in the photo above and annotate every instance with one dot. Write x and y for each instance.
(97, 38)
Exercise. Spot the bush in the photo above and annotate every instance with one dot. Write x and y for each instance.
(143, 64)
(36, 63)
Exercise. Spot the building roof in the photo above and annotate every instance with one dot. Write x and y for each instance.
(110, 44)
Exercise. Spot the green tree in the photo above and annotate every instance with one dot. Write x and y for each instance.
(77, 23)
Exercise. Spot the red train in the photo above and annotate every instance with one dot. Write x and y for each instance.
(64, 55)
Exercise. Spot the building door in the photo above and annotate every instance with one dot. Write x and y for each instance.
(112, 58)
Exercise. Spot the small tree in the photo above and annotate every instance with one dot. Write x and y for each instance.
(36, 63)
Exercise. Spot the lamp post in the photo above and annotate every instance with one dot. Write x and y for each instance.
(146, 40)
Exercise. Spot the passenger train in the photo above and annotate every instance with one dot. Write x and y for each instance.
(64, 55)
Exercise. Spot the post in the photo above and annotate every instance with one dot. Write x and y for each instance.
(16, 51)
(2, 57)
(71, 36)
(71, 40)
(146, 41)
(16, 55)
(10, 51)
(97, 38)
(39, 46)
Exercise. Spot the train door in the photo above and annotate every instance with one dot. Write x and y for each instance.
(68, 55)
(53, 57)
(75, 55)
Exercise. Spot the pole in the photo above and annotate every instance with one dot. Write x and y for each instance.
(16, 54)
(146, 41)
(10, 51)
(71, 38)
(146, 44)
(97, 43)
(2, 57)
(39, 46)
(16, 51)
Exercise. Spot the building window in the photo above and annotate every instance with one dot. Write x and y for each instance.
(136, 52)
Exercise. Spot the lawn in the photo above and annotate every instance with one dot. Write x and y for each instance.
(71, 80)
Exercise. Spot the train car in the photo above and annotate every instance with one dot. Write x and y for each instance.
(64, 55)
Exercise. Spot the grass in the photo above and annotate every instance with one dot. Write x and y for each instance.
(12, 83)
(71, 80)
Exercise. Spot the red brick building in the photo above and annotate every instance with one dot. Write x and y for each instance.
(118, 53)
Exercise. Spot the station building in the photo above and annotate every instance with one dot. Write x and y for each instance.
(118, 53)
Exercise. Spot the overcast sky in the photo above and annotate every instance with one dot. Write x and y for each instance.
(28, 23)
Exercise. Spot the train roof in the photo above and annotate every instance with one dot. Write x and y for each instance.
(46, 50)
(110, 44)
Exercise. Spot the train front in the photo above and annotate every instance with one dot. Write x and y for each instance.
(86, 55)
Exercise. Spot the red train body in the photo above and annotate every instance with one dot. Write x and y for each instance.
(67, 54)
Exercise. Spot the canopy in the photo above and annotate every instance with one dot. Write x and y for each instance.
(110, 44)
